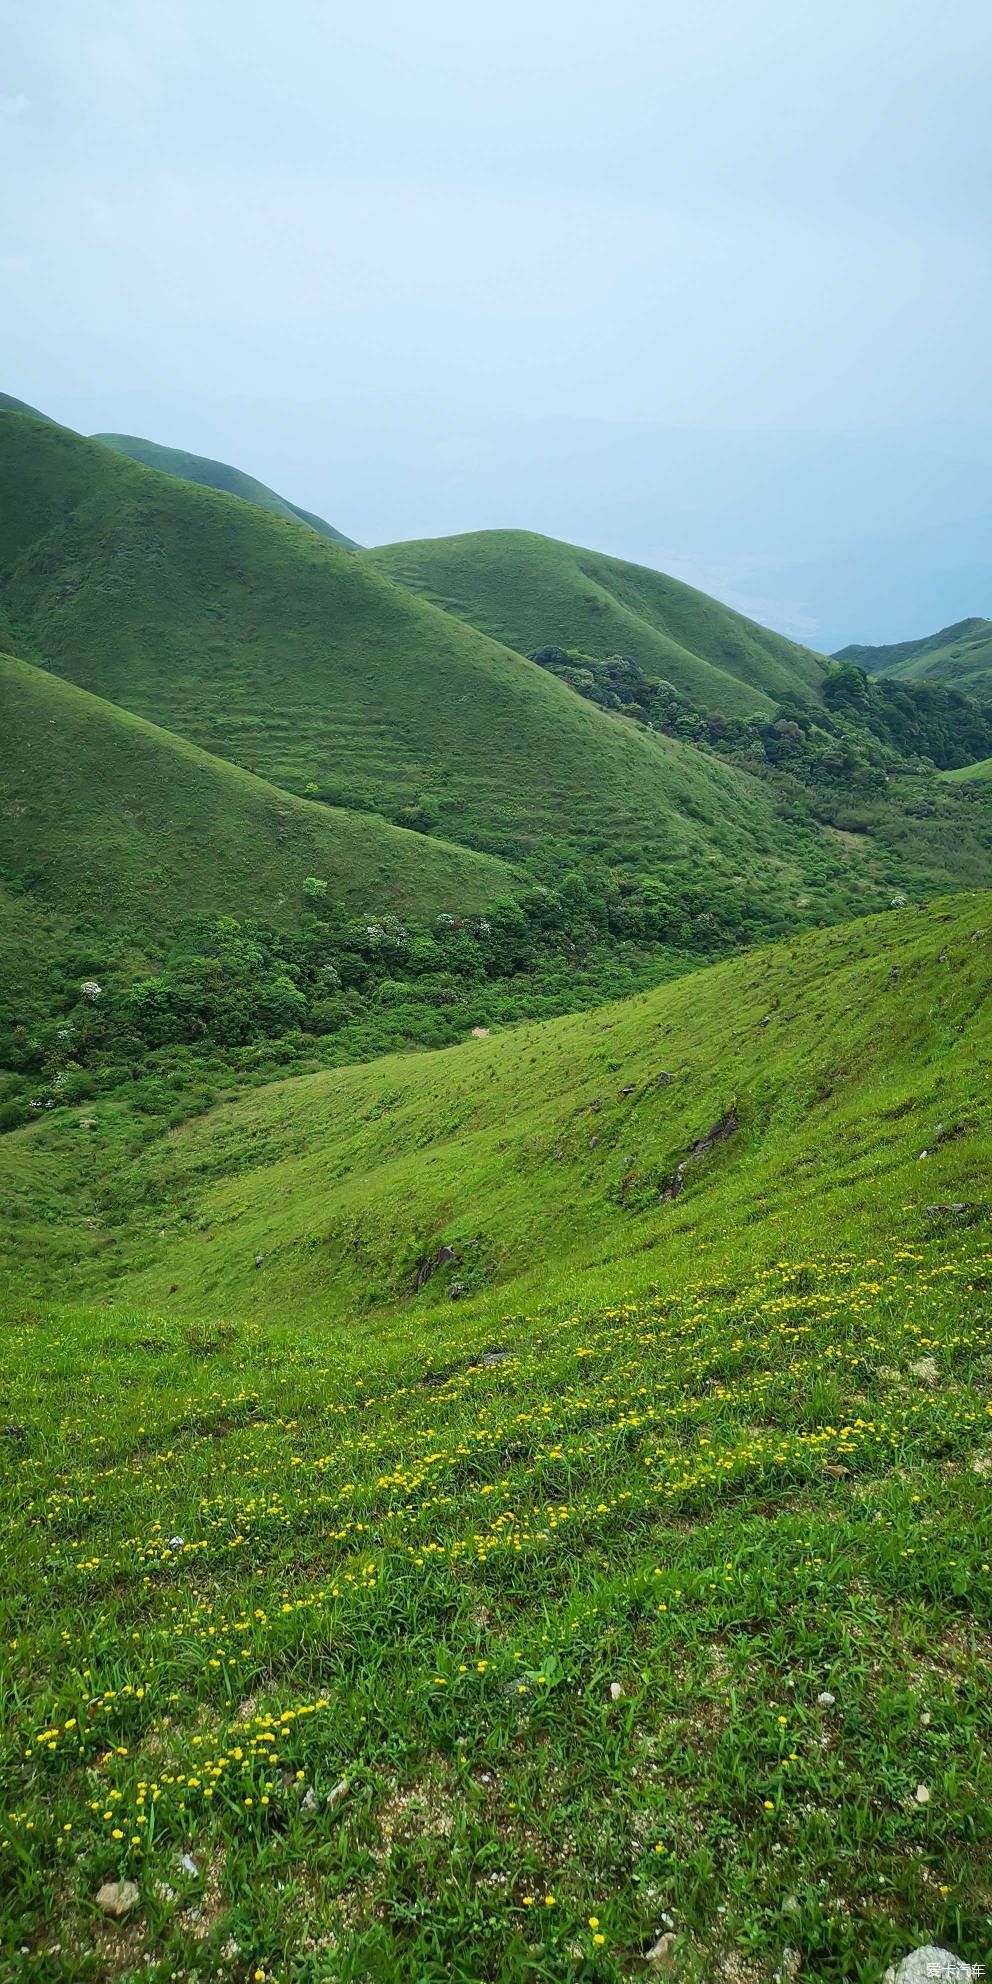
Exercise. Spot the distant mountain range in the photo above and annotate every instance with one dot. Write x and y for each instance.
(186, 671)
(276, 651)
(960, 655)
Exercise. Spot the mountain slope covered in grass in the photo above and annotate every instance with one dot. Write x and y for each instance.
(217, 475)
(960, 655)
(272, 647)
(641, 1592)
(806, 1079)
(531, 592)
(107, 818)
(8, 404)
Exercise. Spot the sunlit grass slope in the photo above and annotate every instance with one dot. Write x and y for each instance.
(541, 1157)
(532, 591)
(271, 646)
(505, 1647)
(217, 475)
(106, 817)
(960, 655)
(981, 770)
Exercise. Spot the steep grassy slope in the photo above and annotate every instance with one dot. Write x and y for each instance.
(269, 646)
(110, 819)
(960, 656)
(217, 475)
(840, 1054)
(481, 1641)
(531, 591)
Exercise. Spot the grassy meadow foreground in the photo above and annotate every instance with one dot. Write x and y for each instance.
(629, 1614)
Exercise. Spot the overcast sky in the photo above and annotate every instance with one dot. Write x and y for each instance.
(705, 283)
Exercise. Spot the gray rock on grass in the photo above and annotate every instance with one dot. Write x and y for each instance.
(117, 1898)
(661, 1955)
(929, 1965)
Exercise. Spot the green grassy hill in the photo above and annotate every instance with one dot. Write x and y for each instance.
(960, 655)
(981, 771)
(641, 1593)
(531, 592)
(840, 1054)
(8, 404)
(272, 647)
(217, 475)
(106, 819)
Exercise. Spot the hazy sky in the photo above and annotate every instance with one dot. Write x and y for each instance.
(705, 284)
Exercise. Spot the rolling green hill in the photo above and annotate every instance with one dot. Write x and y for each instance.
(272, 647)
(543, 1154)
(960, 655)
(217, 475)
(530, 592)
(108, 820)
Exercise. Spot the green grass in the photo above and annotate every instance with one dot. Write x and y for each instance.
(111, 822)
(960, 656)
(217, 475)
(981, 771)
(442, 1668)
(531, 592)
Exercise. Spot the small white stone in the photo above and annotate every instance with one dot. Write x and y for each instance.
(117, 1898)
(825, 1699)
(662, 1953)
